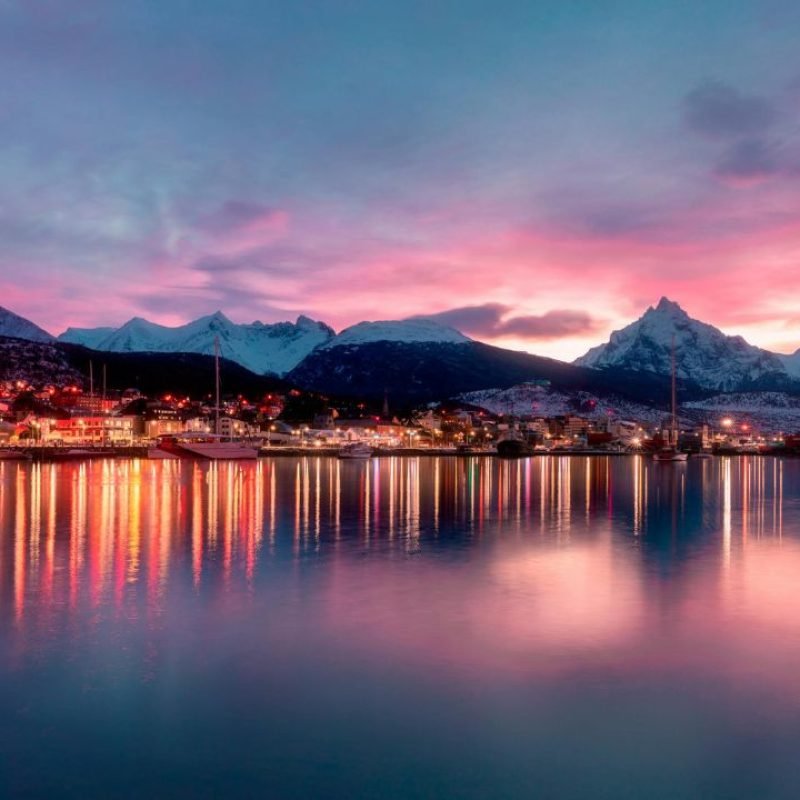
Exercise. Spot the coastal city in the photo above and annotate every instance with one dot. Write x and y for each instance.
(399, 400)
(62, 422)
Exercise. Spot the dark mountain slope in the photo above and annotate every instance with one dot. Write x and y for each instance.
(419, 372)
(152, 373)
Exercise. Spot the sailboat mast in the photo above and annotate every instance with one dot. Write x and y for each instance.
(216, 383)
(674, 431)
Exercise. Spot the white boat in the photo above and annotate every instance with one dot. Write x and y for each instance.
(670, 454)
(212, 446)
(202, 445)
(355, 450)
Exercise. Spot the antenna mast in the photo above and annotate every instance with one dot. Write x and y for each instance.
(674, 436)
(216, 381)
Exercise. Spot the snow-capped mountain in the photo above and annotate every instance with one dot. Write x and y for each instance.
(405, 330)
(703, 354)
(12, 324)
(275, 348)
(422, 358)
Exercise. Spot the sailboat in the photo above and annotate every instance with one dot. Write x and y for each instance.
(211, 446)
(670, 451)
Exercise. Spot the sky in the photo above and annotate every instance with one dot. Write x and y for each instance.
(536, 173)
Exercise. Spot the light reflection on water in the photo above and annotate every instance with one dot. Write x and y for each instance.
(400, 627)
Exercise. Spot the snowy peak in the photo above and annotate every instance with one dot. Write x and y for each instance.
(12, 324)
(703, 353)
(667, 307)
(217, 320)
(409, 331)
(262, 348)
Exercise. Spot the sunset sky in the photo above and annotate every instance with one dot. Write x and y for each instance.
(537, 172)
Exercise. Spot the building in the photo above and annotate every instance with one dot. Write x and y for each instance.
(230, 426)
(576, 426)
(105, 429)
(94, 404)
(161, 419)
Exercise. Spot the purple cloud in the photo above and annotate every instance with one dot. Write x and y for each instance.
(721, 111)
(492, 320)
(551, 325)
(480, 320)
(748, 160)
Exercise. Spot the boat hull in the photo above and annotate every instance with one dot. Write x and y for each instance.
(211, 451)
(671, 458)
(14, 455)
(354, 453)
(514, 448)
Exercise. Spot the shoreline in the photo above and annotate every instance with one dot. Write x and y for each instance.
(66, 454)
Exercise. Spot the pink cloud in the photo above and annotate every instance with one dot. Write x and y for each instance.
(732, 262)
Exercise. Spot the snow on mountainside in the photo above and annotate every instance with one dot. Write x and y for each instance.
(791, 363)
(407, 330)
(766, 412)
(12, 324)
(762, 411)
(703, 353)
(275, 348)
(87, 337)
(526, 400)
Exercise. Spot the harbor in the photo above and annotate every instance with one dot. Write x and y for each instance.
(61, 454)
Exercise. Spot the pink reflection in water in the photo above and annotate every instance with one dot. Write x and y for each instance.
(473, 565)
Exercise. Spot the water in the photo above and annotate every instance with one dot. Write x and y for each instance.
(426, 628)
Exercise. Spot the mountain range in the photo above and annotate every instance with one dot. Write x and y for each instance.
(417, 360)
(263, 349)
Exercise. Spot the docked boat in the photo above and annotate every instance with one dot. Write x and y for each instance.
(210, 446)
(9, 454)
(354, 450)
(513, 445)
(74, 453)
(670, 452)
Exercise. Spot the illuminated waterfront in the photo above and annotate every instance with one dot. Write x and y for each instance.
(564, 627)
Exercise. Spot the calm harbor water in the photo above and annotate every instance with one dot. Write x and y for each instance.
(421, 627)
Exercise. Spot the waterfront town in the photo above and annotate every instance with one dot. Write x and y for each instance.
(63, 419)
